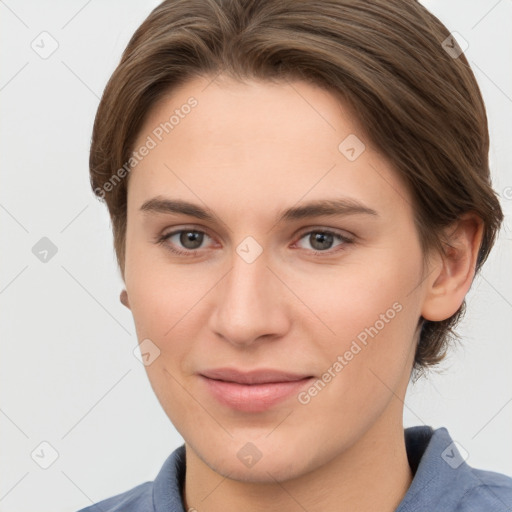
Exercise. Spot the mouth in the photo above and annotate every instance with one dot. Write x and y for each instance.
(254, 391)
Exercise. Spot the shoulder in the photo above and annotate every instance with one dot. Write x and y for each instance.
(443, 480)
(136, 499)
(164, 493)
(488, 491)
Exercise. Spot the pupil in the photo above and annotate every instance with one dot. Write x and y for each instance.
(324, 240)
(191, 239)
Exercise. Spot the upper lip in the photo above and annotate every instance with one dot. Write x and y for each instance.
(260, 376)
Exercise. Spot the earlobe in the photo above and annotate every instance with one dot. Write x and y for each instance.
(124, 298)
(451, 280)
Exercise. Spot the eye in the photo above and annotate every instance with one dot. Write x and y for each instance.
(188, 239)
(322, 240)
(187, 242)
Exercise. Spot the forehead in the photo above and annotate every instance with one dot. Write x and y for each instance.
(254, 110)
(257, 140)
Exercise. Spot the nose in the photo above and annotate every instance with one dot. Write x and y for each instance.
(250, 304)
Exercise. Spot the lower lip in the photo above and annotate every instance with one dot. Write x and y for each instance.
(253, 397)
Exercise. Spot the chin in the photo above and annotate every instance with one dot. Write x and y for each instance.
(259, 462)
(264, 472)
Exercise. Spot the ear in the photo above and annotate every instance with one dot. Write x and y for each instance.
(124, 298)
(453, 272)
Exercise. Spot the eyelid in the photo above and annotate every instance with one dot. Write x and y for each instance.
(346, 235)
(185, 227)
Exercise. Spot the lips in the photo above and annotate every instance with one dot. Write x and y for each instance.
(263, 376)
(254, 391)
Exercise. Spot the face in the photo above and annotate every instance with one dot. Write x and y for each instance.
(273, 264)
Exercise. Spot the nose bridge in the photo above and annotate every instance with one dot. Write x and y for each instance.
(246, 307)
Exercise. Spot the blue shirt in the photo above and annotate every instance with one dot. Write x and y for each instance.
(443, 482)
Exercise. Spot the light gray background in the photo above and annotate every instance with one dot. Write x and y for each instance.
(68, 373)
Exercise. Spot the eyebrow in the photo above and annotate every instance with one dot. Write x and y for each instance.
(328, 207)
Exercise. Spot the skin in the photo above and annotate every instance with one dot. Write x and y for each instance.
(246, 152)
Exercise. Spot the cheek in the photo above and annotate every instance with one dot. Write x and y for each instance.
(368, 357)
(161, 295)
(366, 314)
(166, 304)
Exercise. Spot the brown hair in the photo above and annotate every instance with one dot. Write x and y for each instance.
(392, 61)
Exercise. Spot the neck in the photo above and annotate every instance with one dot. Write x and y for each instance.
(373, 474)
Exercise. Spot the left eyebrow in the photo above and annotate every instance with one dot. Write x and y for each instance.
(329, 207)
(323, 207)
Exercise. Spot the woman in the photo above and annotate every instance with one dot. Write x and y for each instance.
(300, 198)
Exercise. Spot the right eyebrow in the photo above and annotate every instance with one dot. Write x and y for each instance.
(164, 205)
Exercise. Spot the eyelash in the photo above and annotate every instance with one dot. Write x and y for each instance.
(161, 240)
